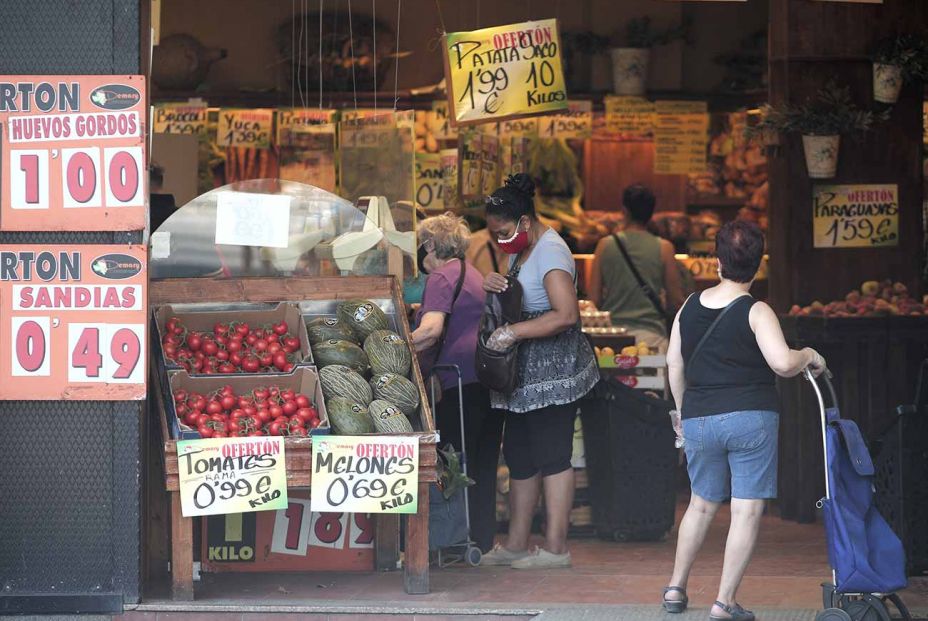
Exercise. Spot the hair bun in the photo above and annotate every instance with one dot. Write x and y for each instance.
(521, 182)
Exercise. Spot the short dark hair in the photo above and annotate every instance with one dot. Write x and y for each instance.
(739, 245)
(639, 201)
(513, 200)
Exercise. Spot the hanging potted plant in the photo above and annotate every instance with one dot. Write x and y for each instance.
(764, 125)
(631, 53)
(897, 60)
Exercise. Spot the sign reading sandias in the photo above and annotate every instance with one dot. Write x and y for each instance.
(855, 216)
(365, 474)
(73, 153)
(231, 475)
(73, 322)
(504, 72)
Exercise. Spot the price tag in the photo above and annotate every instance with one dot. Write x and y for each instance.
(231, 475)
(577, 123)
(365, 474)
(631, 116)
(298, 528)
(429, 184)
(245, 128)
(855, 216)
(248, 219)
(180, 118)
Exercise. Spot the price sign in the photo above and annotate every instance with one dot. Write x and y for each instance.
(504, 72)
(429, 184)
(73, 322)
(365, 474)
(295, 119)
(440, 112)
(231, 475)
(179, 118)
(577, 123)
(631, 116)
(73, 153)
(245, 128)
(681, 133)
(518, 128)
(855, 216)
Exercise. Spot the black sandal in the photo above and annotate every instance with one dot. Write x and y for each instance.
(736, 611)
(675, 605)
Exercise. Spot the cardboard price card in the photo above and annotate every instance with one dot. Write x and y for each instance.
(504, 72)
(681, 133)
(73, 153)
(429, 184)
(631, 116)
(577, 123)
(855, 216)
(245, 128)
(73, 322)
(231, 475)
(366, 474)
(180, 118)
(293, 120)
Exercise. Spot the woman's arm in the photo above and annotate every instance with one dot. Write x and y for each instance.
(564, 311)
(672, 282)
(429, 330)
(596, 274)
(675, 364)
(784, 361)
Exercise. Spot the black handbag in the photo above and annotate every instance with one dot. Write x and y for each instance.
(497, 370)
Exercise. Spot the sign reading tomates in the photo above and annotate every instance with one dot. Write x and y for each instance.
(73, 153)
(73, 322)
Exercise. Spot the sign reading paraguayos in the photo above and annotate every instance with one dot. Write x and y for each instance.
(504, 72)
(855, 216)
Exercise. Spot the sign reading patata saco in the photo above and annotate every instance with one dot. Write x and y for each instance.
(73, 322)
(73, 153)
(855, 216)
(504, 72)
(365, 474)
(231, 475)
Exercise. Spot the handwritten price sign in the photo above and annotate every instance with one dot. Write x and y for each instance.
(245, 128)
(855, 216)
(365, 474)
(504, 72)
(73, 153)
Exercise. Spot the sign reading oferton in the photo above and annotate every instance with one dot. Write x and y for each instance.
(855, 216)
(504, 72)
(365, 474)
(231, 475)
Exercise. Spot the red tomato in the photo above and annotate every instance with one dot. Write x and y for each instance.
(267, 360)
(217, 418)
(221, 329)
(283, 420)
(227, 367)
(242, 329)
(260, 333)
(272, 338)
(303, 401)
(203, 419)
(229, 402)
(222, 355)
(290, 366)
(194, 342)
(261, 394)
(210, 348)
(274, 391)
(273, 348)
(292, 344)
(244, 402)
(180, 395)
(251, 339)
(250, 410)
(250, 364)
(314, 423)
(281, 328)
(290, 408)
(287, 395)
(263, 415)
(261, 345)
(234, 346)
(276, 429)
(170, 352)
(171, 323)
(236, 359)
(299, 432)
(180, 409)
(305, 414)
(214, 407)
(276, 411)
(198, 402)
(204, 431)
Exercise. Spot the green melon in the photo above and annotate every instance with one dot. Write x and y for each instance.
(394, 388)
(347, 417)
(327, 328)
(363, 317)
(387, 353)
(345, 353)
(340, 381)
(388, 418)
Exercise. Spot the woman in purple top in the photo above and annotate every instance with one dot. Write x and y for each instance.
(454, 299)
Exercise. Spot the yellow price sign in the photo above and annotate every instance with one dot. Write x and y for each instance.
(855, 216)
(173, 118)
(629, 115)
(245, 128)
(577, 123)
(429, 183)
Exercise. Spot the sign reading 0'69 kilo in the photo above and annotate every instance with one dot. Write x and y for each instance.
(504, 72)
(73, 153)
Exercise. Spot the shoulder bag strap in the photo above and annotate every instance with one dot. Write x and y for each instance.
(493, 257)
(645, 288)
(454, 298)
(708, 332)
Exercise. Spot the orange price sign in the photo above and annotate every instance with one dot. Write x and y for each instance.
(73, 153)
(73, 322)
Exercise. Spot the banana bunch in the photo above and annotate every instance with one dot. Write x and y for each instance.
(428, 128)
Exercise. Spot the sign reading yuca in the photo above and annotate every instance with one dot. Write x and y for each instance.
(365, 474)
(855, 216)
(504, 72)
(231, 475)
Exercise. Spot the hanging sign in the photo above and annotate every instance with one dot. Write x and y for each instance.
(296, 119)
(440, 113)
(245, 128)
(429, 184)
(73, 153)
(855, 216)
(231, 475)
(73, 322)
(365, 474)
(632, 116)
(681, 132)
(180, 118)
(504, 72)
(577, 123)
(519, 128)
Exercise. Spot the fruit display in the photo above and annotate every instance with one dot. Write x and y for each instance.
(362, 317)
(234, 347)
(396, 389)
(873, 299)
(344, 353)
(341, 381)
(388, 353)
(264, 411)
(348, 417)
(641, 349)
(428, 128)
(388, 418)
(327, 328)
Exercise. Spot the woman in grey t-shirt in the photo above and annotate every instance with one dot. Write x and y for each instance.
(556, 367)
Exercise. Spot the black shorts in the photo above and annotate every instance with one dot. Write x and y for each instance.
(541, 441)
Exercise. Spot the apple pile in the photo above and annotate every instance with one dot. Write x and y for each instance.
(874, 299)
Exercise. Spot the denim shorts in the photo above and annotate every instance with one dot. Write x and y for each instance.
(732, 455)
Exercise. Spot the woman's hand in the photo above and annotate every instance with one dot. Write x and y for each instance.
(495, 283)
(816, 361)
(502, 339)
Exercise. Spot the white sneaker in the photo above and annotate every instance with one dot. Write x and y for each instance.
(501, 556)
(542, 559)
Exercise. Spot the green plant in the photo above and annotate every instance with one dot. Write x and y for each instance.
(909, 52)
(829, 112)
(638, 34)
(452, 475)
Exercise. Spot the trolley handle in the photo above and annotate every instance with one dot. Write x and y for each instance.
(825, 377)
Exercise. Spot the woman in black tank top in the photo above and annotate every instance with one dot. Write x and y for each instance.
(726, 349)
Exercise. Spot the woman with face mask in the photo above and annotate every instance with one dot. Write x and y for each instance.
(446, 333)
(555, 368)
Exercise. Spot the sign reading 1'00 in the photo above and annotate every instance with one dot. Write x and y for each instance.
(73, 153)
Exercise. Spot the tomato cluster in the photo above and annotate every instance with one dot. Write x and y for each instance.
(231, 348)
(265, 412)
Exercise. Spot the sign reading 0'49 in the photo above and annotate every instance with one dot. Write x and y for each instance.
(73, 322)
(73, 153)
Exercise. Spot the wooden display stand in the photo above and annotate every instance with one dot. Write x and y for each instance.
(299, 450)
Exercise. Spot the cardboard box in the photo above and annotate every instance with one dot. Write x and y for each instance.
(303, 380)
(204, 320)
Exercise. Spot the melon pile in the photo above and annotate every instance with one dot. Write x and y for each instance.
(364, 368)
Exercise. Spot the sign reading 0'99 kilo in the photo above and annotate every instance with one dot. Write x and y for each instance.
(73, 153)
(504, 72)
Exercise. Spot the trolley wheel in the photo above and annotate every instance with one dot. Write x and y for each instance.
(833, 614)
(870, 609)
(473, 555)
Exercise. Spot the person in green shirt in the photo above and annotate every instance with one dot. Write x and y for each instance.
(615, 288)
